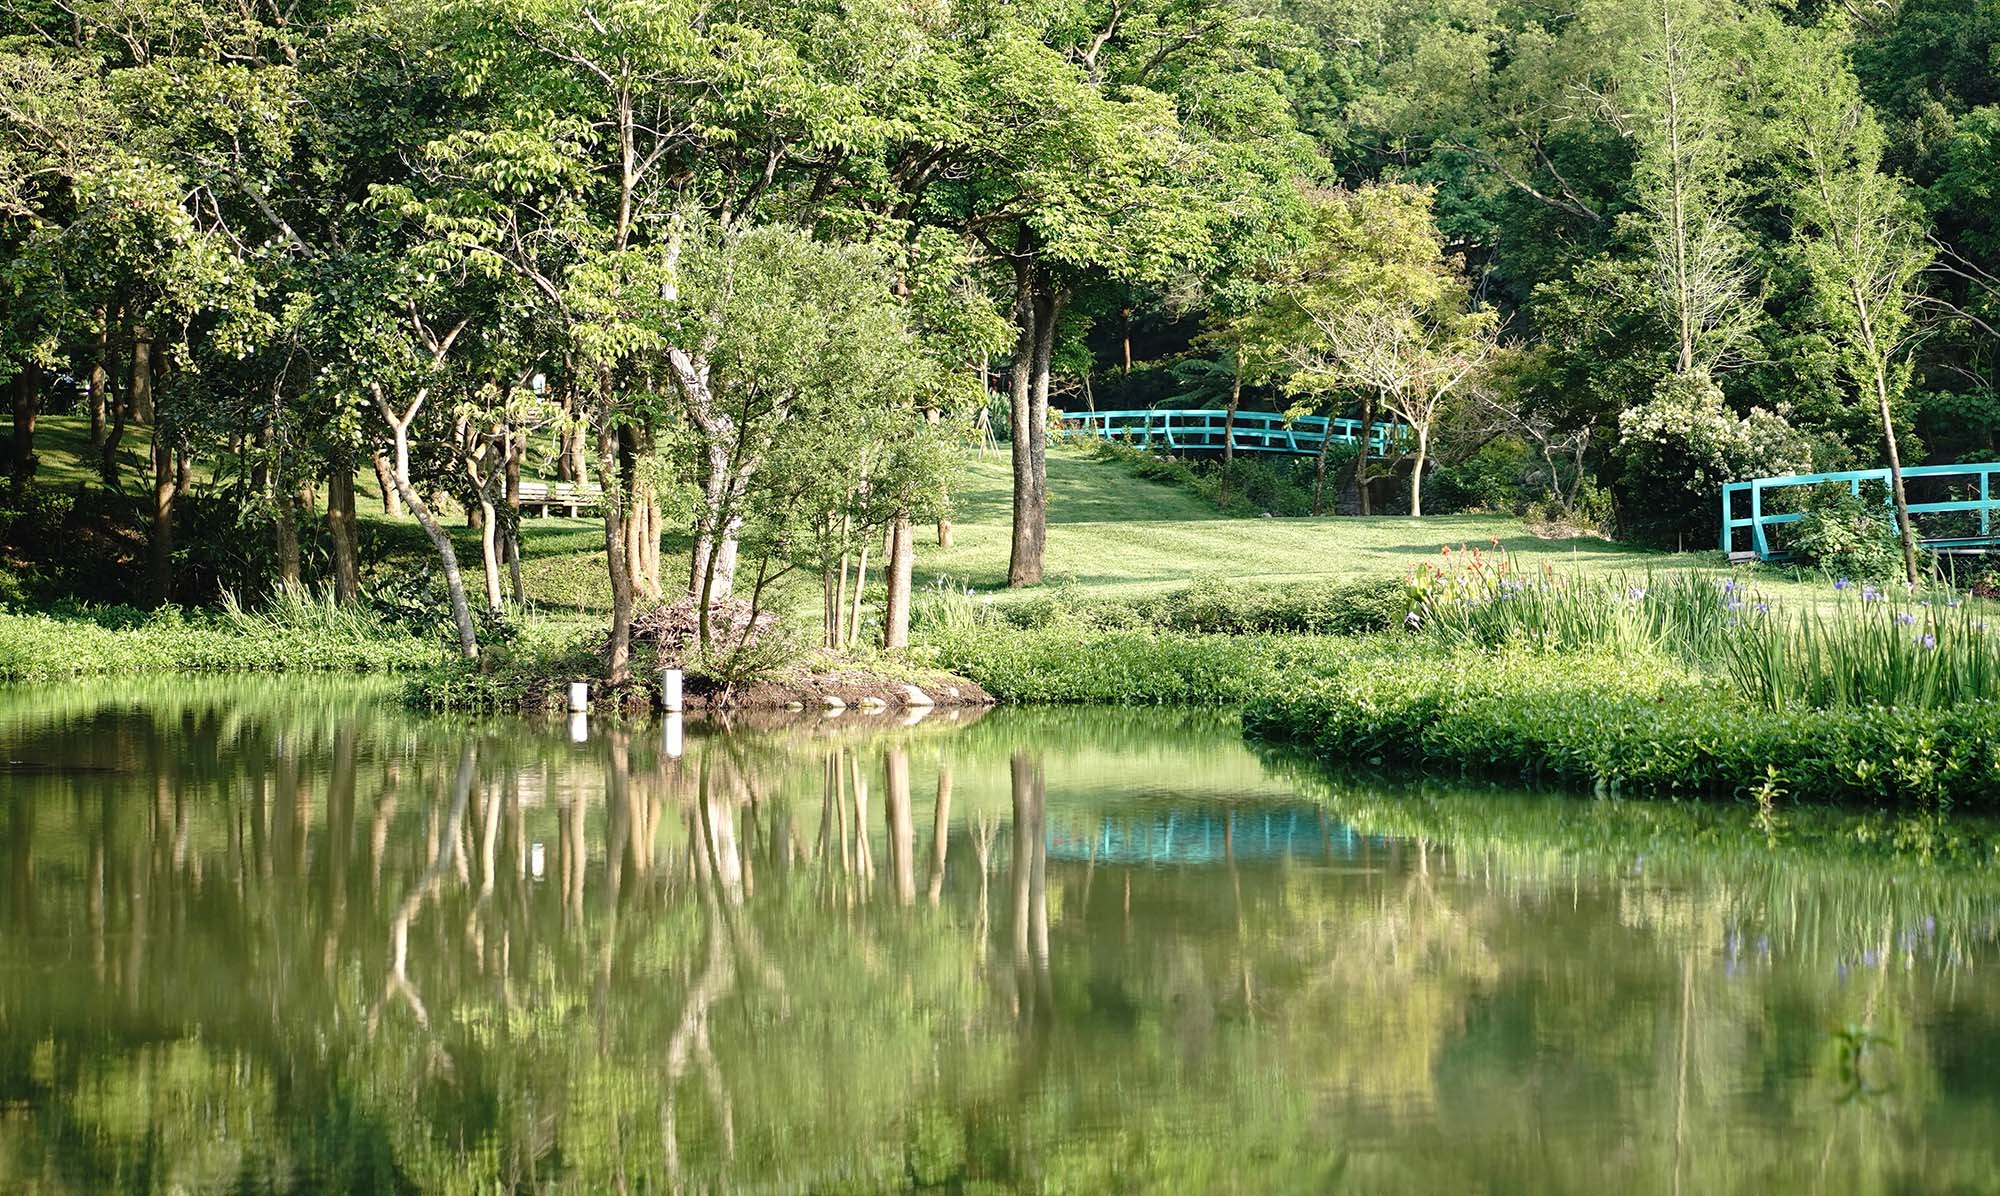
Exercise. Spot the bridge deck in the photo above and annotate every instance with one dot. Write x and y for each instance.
(1969, 491)
(1179, 430)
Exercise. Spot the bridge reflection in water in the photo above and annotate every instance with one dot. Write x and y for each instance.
(1183, 838)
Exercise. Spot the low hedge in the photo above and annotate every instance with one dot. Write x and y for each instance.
(1638, 726)
(1142, 667)
(105, 641)
(1222, 606)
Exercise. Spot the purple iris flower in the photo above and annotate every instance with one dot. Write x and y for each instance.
(1843, 584)
(1906, 618)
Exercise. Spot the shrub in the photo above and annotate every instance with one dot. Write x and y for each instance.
(1206, 605)
(1493, 479)
(1631, 723)
(1065, 665)
(1256, 485)
(1679, 447)
(1848, 536)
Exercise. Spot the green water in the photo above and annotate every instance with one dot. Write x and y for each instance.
(282, 936)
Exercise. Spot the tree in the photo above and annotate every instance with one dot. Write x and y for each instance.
(1858, 234)
(1684, 186)
(1376, 305)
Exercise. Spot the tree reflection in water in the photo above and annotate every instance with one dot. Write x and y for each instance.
(285, 937)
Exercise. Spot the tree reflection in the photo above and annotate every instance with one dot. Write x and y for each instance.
(291, 940)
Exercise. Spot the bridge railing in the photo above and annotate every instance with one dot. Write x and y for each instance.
(1750, 513)
(1254, 431)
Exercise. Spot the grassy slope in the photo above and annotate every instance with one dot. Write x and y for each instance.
(1108, 532)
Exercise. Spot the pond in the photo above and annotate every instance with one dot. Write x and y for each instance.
(282, 936)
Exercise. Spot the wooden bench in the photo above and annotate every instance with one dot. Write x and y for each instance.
(575, 498)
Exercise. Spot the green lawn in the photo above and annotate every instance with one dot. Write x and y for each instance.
(1108, 532)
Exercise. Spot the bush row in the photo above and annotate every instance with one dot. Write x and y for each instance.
(1207, 605)
(115, 640)
(1620, 723)
(1139, 667)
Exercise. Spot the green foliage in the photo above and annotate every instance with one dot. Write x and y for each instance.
(1208, 605)
(1633, 723)
(1248, 486)
(1495, 479)
(1678, 448)
(1845, 535)
(299, 634)
(1066, 664)
(1486, 600)
(1868, 652)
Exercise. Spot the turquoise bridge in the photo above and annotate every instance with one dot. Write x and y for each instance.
(1967, 493)
(1179, 430)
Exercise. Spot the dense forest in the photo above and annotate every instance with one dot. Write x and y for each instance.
(760, 269)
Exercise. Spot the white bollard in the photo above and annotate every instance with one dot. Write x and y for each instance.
(676, 737)
(579, 728)
(670, 691)
(579, 695)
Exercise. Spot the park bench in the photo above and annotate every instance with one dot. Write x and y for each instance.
(543, 497)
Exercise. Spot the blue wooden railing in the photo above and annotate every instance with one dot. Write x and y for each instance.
(1972, 475)
(1254, 431)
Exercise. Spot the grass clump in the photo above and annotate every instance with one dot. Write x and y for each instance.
(302, 633)
(1930, 654)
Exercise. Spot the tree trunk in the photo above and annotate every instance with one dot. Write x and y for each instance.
(343, 530)
(489, 552)
(896, 609)
(860, 587)
(286, 511)
(162, 539)
(619, 650)
(1896, 478)
(392, 501)
(139, 398)
(107, 458)
(454, 580)
(517, 448)
(100, 378)
(1319, 473)
(1229, 430)
(27, 406)
(1361, 458)
(1024, 565)
(1417, 471)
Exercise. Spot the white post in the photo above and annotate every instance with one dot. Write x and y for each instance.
(676, 736)
(670, 691)
(579, 728)
(579, 696)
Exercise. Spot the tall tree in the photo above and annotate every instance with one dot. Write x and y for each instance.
(1684, 183)
(1857, 231)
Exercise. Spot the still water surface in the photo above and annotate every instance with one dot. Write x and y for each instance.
(284, 937)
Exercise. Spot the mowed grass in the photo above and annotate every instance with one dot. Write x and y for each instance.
(1109, 532)
(1113, 533)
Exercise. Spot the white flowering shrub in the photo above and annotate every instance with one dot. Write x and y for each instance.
(1678, 448)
